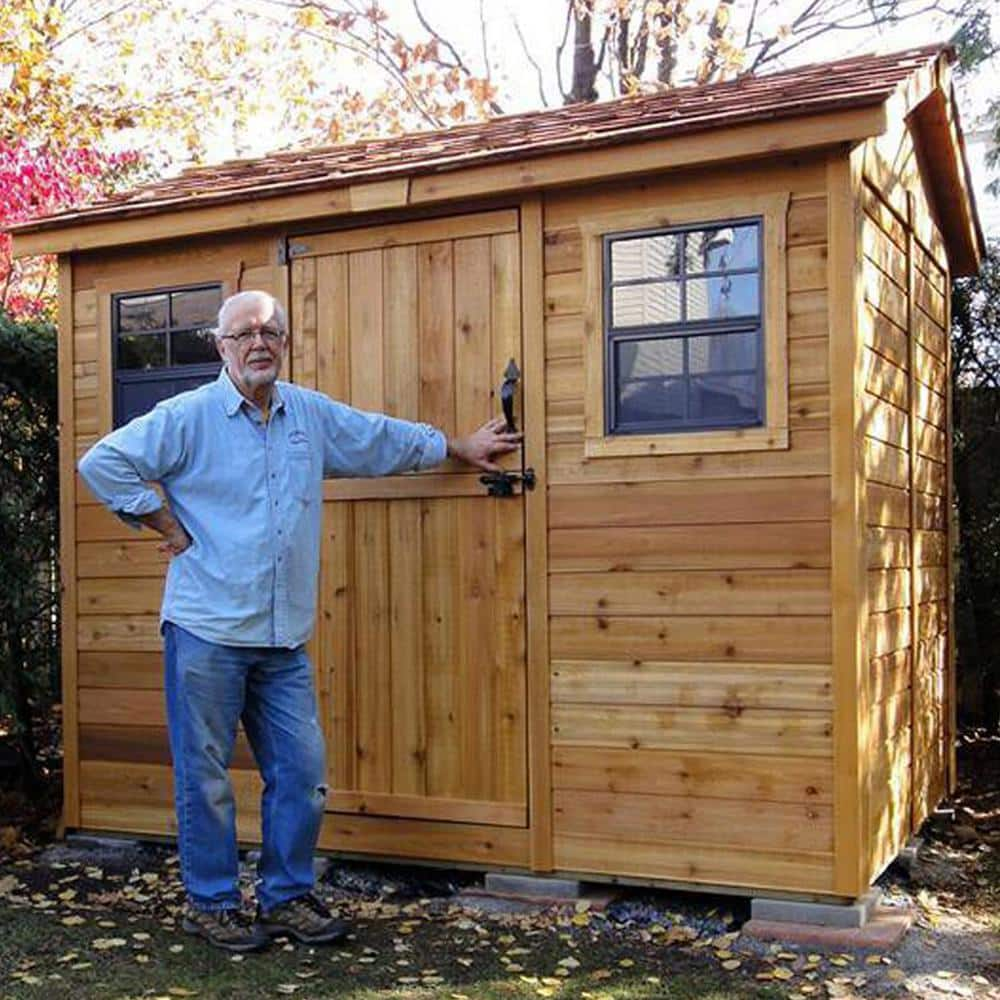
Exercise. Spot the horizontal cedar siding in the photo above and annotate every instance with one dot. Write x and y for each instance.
(690, 603)
(124, 751)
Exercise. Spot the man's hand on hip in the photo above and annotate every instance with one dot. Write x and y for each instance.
(175, 538)
(483, 445)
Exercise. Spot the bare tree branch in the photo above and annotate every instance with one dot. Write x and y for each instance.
(820, 17)
(373, 54)
(482, 34)
(531, 59)
(750, 25)
(80, 29)
(767, 45)
(459, 62)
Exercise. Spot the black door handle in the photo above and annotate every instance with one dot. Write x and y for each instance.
(510, 379)
(501, 484)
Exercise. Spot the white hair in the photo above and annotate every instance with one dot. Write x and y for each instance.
(242, 298)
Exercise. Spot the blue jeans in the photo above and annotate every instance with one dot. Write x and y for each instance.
(209, 689)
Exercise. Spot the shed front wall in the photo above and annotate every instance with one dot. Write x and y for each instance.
(689, 630)
(690, 594)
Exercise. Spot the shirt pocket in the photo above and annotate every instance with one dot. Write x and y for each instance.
(301, 473)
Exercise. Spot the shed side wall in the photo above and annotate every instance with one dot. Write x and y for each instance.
(690, 598)
(906, 287)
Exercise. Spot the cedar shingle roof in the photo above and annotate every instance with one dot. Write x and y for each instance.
(861, 81)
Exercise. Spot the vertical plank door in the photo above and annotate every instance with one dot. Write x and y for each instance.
(421, 637)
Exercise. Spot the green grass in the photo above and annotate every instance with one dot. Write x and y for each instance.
(36, 944)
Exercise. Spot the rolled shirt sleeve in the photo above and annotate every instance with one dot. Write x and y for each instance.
(356, 443)
(120, 466)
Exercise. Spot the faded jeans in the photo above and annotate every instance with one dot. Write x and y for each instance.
(209, 689)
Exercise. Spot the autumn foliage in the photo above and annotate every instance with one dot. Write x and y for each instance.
(39, 181)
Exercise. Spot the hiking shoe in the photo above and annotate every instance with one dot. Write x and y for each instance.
(304, 918)
(231, 930)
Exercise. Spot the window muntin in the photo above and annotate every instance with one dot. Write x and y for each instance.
(162, 344)
(166, 329)
(683, 328)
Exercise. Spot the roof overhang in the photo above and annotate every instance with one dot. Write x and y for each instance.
(752, 140)
(941, 154)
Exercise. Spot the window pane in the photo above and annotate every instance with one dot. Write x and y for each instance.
(646, 305)
(198, 307)
(142, 350)
(721, 248)
(142, 312)
(723, 298)
(656, 401)
(725, 398)
(645, 257)
(643, 358)
(723, 352)
(193, 347)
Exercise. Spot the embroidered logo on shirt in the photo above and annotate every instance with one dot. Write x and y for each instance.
(298, 437)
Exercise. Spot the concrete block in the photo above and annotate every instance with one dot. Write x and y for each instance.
(90, 842)
(886, 927)
(791, 911)
(909, 854)
(499, 884)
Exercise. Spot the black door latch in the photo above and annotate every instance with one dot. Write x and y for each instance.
(501, 484)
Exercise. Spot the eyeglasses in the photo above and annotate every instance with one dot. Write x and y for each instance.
(247, 336)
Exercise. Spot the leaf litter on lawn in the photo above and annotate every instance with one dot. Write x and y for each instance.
(118, 930)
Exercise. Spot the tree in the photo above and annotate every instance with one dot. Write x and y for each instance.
(975, 343)
(976, 394)
(178, 78)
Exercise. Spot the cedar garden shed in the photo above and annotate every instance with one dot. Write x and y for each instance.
(712, 645)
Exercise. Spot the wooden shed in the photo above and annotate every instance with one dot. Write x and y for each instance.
(712, 645)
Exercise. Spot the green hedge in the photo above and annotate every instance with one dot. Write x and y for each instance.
(29, 525)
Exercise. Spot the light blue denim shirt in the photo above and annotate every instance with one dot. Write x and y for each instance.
(250, 496)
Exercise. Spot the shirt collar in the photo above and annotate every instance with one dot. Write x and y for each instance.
(233, 399)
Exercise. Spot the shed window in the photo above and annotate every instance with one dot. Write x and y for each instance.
(683, 328)
(163, 345)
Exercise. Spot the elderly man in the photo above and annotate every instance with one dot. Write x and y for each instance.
(241, 463)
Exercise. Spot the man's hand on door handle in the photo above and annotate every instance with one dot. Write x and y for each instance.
(483, 445)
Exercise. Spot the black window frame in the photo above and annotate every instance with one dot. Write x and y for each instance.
(206, 371)
(682, 330)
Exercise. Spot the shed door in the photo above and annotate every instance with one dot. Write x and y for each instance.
(421, 638)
